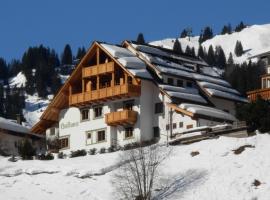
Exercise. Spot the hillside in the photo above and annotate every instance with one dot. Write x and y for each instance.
(255, 39)
(216, 173)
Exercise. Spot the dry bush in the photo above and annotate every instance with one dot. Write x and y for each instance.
(134, 179)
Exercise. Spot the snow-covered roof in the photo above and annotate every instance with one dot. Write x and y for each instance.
(128, 60)
(189, 94)
(12, 126)
(207, 111)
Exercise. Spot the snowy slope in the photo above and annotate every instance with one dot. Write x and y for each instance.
(255, 39)
(216, 173)
(17, 81)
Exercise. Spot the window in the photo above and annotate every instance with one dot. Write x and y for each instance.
(170, 81)
(128, 132)
(174, 125)
(189, 84)
(101, 136)
(189, 126)
(156, 131)
(181, 124)
(52, 131)
(159, 107)
(167, 127)
(128, 105)
(180, 83)
(88, 138)
(97, 111)
(84, 114)
(63, 143)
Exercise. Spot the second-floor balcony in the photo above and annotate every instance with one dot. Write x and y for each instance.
(105, 94)
(98, 69)
(124, 117)
(263, 93)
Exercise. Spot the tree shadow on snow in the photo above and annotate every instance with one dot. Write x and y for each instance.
(176, 186)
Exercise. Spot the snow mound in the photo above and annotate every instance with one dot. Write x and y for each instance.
(215, 173)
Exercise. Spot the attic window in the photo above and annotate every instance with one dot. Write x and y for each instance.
(189, 84)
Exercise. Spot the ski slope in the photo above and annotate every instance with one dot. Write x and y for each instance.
(255, 40)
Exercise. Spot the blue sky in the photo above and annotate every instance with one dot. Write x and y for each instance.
(54, 23)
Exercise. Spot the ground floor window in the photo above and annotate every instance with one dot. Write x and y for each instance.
(128, 132)
(63, 143)
(101, 136)
(189, 126)
(88, 138)
(156, 131)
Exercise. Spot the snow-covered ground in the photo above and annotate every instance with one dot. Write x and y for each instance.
(255, 39)
(215, 173)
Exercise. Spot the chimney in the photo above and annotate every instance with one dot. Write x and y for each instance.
(19, 119)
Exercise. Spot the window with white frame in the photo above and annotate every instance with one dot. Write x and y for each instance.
(98, 111)
(85, 114)
(128, 132)
(101, 136)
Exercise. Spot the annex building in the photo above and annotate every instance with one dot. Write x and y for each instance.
(120, 94)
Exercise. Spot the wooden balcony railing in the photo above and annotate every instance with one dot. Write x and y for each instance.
(98, 69)
(105, 94)
(263, 93)
(124, 117)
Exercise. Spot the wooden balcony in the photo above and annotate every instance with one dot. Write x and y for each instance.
(98, 69)
(105, 94)
(263, 93)
(125, 117)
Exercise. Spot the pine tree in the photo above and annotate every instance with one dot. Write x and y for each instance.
(201, 53)
(211, 56)
(188, 51)
(206, 34)
(238, 50)
(3, 70)
(177, 47)
(220, 57)
(67, 57)
(192, 53)
(227, 29)
(56, 83)
(80, 53)
(2, 102)
(140, 39)
(240, 27)
(184, 34)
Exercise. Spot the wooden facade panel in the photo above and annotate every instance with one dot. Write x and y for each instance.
(121, 118)
(98, 69)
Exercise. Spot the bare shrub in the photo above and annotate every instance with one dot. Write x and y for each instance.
(239, 150)
(135, 178)
(194, 153)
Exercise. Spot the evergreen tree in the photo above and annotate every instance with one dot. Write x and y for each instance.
(184, 34)
(67, 57)
(227, 29)
(140, 39)
(2, 102)
(201, 53)
(177, 47)
(240, 27)
(3, 70)
(206, 34)
(80, 53)
(192, 53)
(211, 56)
(220, 57)
(15, 66)
(188, 51)
(56, 83)
(238, 50)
